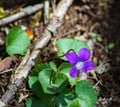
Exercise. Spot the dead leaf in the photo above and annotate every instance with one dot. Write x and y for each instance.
(5, 63)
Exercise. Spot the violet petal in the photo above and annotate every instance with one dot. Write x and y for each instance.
(72, 57)
(73, 72)
(84, 54)
(88, 65)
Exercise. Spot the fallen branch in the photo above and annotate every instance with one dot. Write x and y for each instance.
(23, 70)
(26, 11)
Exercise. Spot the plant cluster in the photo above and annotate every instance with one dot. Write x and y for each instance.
(60, 86)
(57, 85)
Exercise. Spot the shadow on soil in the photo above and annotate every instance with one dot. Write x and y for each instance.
(112, 81)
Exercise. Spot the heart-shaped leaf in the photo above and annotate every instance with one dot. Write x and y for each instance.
(33, 81)
(50, 81)
(86, 93)
(17, 41)
(66, 44)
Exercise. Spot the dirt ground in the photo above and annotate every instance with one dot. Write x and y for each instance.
(94, 20)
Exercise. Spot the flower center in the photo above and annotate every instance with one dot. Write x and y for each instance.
(79, 65)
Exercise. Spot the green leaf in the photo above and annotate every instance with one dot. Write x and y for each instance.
(38, 60)
(17, 41)
(99, 39)
(53, 66)
(33, 81)
(94, 34)
(33, 102)
(75, 103)
(111, 45)
(35, 85)
(45, 79)
(39, 68)
(65, 69)
(86, 93)
(59, 81)
(66, 44)
(64, 98)
(48, 101)
(50, 81)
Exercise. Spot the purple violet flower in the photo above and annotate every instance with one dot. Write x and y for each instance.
(80, 62)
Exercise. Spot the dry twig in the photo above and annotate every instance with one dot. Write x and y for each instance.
(23, 70)
(26, 11)
(46, 11)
